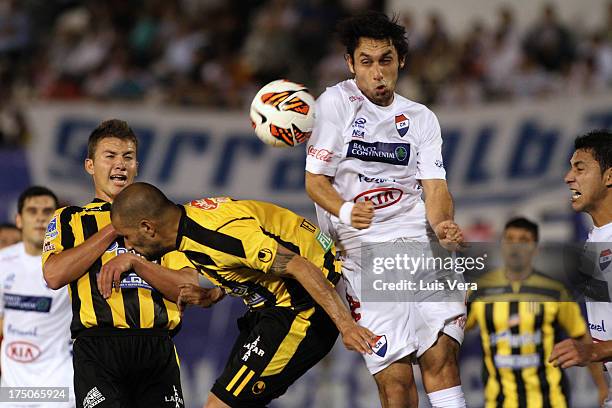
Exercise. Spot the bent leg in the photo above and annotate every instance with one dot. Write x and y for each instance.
(396, 386)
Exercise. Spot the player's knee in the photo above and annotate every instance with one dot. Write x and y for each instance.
(214, 402)
(398, 393)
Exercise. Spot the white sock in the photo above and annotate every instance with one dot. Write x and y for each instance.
(447, 398)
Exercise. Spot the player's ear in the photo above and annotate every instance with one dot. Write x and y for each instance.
(607, 176)
(402, 61)
(18, 221)
(89, 166)
(349, 62)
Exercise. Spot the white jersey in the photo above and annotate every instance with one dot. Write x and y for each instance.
(599, 246)
(36, 350)
(375, 153)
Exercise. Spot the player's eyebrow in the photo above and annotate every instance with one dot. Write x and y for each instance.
(363, 54)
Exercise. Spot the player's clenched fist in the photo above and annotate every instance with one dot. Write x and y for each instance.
(195, 295)
(362, 214)
(449, 235)
(357, 338)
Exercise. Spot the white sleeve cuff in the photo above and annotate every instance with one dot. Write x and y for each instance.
(345, 212)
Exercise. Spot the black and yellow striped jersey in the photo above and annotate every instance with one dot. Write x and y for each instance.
(137, 305)
(520, 321)
(234, 243)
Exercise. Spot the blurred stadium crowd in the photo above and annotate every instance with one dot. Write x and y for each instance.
(216, 53)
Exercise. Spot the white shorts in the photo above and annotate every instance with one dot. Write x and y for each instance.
(403, 328)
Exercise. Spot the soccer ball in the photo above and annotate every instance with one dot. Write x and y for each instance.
(282, 113)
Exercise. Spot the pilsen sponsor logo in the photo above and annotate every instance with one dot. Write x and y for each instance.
(320, 154)
(381, 197)
(209, 203)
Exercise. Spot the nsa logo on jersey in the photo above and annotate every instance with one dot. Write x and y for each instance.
(380, 348)
(402, 123)
(605, 258)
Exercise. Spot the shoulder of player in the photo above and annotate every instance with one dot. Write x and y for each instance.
(11, 252)
(543, 280)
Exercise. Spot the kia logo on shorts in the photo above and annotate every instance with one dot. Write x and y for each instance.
(22, 351)
(381, 197)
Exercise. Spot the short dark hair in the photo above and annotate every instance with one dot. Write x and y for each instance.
(35, 191)
(8, 225)
(524, 223)
(599, 143)
(110, 128)
(372, 24)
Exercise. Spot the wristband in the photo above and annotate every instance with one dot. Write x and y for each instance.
(345, 212)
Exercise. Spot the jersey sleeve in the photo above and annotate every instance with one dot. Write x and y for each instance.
(176, 260)
(429, 151)
(571, 319)
(53, 236)
(259, 248)
(325, 145)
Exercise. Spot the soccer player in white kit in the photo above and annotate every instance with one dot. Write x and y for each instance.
(371, 155)
(590, 182)
(35, 320)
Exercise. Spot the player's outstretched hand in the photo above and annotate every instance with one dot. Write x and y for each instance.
(450, 235)
(191, 294)
(358, 338)
(362, 214)
(110, 273)
(571, 352)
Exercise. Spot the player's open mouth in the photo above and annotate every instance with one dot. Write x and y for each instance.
(119, 178)
(381, 88)
(575, 194)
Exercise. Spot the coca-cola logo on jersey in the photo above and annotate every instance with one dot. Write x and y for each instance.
(22, 351)
(320, 154)
(381, 197)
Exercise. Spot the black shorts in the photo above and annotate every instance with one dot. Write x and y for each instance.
(126, 371)
(275, 347)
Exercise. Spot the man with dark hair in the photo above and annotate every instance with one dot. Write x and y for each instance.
(276, 261)
(520, 312)
(124, 355)
(371, 155)
(9, 234)
(35, 320)
(590, 183)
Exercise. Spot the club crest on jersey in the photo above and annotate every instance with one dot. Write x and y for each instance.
(380, 348)
(402, 123)
(605, 258)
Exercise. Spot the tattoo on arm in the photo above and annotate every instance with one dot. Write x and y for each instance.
(283, 257)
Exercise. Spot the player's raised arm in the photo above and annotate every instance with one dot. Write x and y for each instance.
(440, 211)
(321, 191)
(289, 264)
(165, 280)
(62, 267)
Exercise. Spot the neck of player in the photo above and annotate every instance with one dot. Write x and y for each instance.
(518, 274)
(32, 248)
(602, 214)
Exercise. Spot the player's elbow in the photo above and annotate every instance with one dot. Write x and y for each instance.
(52, 279)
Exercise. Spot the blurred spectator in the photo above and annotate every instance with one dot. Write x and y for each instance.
(204, 53)
(9, 235)
(549, 43)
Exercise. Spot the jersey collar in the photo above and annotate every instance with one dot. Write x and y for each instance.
(181, 227)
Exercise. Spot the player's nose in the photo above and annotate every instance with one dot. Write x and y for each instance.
(569, 177)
